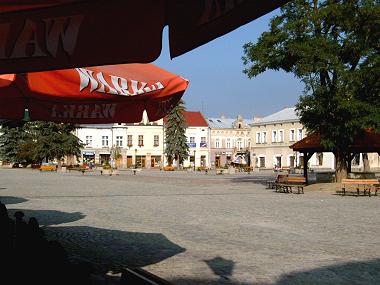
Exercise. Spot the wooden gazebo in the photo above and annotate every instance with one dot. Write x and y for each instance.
(366, 141)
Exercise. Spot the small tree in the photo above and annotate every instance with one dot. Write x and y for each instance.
(334, 48)
(116, 154)
(175, 135)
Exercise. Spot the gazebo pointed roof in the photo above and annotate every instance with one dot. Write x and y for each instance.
(366, 141)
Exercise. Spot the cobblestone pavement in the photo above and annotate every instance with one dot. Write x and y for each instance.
(192, 228)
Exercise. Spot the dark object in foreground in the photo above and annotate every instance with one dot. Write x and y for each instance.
(138, 276)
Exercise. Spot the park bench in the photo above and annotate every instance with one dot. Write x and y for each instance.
(361, 184)
(280, 178)
(290, 182)
(48, 168)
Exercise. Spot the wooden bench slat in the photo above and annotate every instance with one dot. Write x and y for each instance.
(366, 184)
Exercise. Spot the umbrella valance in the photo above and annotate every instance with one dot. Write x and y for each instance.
(105, 94)
(56, 34)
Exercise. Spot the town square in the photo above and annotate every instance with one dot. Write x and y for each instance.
(192, 228)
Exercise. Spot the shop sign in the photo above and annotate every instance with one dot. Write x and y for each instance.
(203, 144)
(89, 153)
(191, 144)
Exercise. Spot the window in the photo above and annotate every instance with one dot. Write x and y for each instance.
(203, 142)
(192, 139)
(264, 137)
(258, 137)
(261, 161)
(88, 140)
(320, 158)
(292, 135)
(239, 145)
(228, 143)
(119, 140)
(129, 141)
(281, 136)
(299, 134)
(104, 140)
(141, 140)
(274, 136)
(156, 140)
(217, 143)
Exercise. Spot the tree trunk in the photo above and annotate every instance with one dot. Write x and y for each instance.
(366, 167)
(59, 163)
(340, 166)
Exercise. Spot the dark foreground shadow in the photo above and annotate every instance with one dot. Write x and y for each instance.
(49, 217)
(253, 179)
(358, 273)
(114, 249)
(8, 200)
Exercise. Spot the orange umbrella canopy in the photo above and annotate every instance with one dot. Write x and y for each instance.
(38, 35)
(91, 95)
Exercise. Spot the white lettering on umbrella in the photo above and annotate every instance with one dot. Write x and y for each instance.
(117, 85)
(28, 38)
(77, 111)
(40, 38)
(62, 30)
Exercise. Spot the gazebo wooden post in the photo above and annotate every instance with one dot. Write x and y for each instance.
(350, 156)
(306, 157)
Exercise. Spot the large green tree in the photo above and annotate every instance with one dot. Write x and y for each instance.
(334, 48)
(13, 142)
(37, 142)
(175, 135)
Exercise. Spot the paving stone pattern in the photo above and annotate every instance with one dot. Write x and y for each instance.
(192, 228)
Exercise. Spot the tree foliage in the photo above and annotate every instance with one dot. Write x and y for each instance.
(175, 135)
(334, 48)
(38, 141)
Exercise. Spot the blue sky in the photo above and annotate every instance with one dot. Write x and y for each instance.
(217, 83)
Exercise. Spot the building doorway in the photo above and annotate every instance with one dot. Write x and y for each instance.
(155, 161)
(203, 160)
(129, 161)
(262, 161)
(217, 161)
(292, 160)
(277, 162)
(140, 161)
(104, 158)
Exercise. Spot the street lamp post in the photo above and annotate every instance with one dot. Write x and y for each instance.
(135, 157)
(194, 159)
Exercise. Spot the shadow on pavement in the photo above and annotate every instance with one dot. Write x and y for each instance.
(263, 180)
(221, 267)
(114, 249)
(8, 200)
(49, 217)
(359, 273)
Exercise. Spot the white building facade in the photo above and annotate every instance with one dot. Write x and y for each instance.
(272, 135)
(230, 141)
(141, 144)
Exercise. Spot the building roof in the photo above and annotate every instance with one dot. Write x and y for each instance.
(285, 115)
(224, 123)
(366, 141)
(195, 119)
